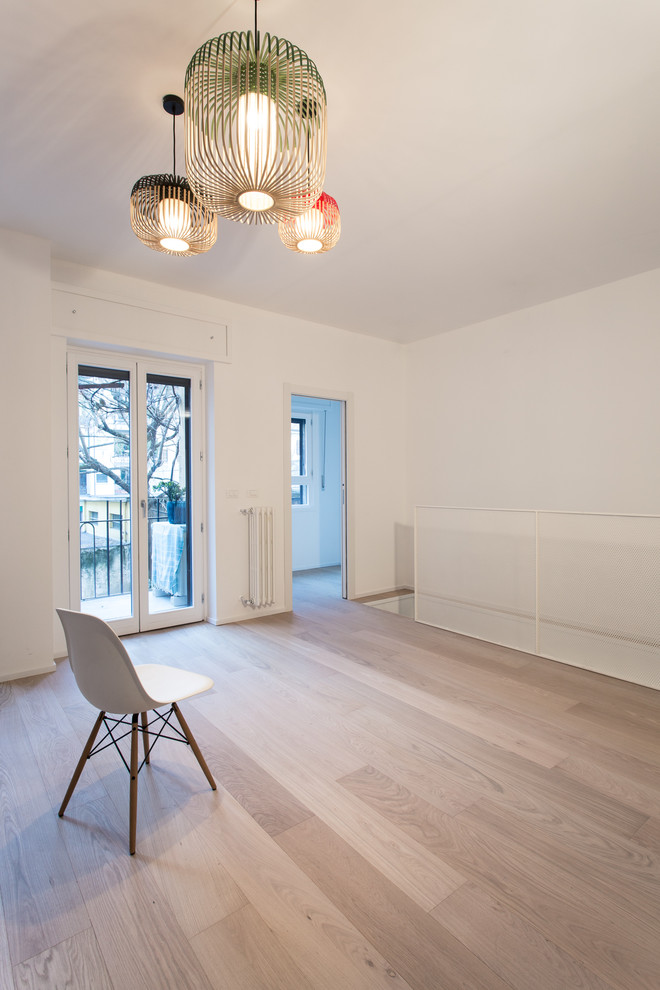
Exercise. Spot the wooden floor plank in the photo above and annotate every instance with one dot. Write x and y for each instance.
(243, 953)
(6, 694)
(279, 660)
(60, 739)
(621, 787)
(425, 953)
(490, 772)
(299, 715)
(562, 904)
(41, 900)
(444, 675)
(513, 948)
(649, 835)
(324, 944)
(425, 879)
(250, 693)
(190, 875)
(612, 863)
(586, 685)
(73, 964)
(270, 804)
(635, 738)
(190, 647)
(6, 979)
(460, 715)
(440, 789)
(599, 753)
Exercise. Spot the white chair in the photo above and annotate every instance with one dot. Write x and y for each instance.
(109, 680)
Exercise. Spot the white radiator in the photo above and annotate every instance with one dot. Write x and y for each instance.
(260, 556)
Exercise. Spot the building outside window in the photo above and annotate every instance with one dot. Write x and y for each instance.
(300, 459)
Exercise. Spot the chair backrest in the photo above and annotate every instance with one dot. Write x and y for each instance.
(103, 669)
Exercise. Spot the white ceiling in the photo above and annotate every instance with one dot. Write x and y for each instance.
(486, 156)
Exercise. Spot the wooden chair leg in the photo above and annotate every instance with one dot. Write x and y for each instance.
(145, 736)
(81, 762)
(193, 745)
(134, 783)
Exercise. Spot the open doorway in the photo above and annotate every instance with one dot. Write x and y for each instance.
(318, 525)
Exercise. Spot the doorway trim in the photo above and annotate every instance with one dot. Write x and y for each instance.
(347, 462)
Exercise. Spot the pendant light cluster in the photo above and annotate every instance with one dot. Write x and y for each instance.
(255, 150)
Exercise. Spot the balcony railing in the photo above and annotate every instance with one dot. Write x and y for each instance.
(105, 549)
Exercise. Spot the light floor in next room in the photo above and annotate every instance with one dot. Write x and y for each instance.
(397, 807)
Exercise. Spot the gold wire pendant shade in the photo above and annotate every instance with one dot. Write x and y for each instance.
(167, 217)
(255, 128)
(165, 214)
(315, 231)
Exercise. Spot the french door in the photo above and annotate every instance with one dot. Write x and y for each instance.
(135, 480)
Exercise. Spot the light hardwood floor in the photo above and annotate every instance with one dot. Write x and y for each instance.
(397, 807)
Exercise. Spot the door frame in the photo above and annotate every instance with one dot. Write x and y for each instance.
(347, 474)
(139, 366)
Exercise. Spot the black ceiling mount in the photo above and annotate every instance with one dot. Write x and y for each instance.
(173, 105)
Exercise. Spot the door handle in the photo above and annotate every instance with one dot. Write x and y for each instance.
(143, 505)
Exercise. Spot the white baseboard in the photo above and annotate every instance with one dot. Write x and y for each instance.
(18, 674)
(250, 613)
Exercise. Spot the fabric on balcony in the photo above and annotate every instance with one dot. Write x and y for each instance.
(167, 542)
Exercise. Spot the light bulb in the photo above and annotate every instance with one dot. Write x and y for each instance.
(307, 228)
(174, 244)
(174, 216)
(256, 201)
(256, 123)
(309, 245)
(174, 219)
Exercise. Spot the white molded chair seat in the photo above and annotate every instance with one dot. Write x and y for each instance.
(167, 684)
(108, 679)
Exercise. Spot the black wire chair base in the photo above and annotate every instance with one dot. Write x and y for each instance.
(111, 722)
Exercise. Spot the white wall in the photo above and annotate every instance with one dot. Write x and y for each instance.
(26, 609)
(43, 311)
(316, 527)
(252, 437)
(554, 407)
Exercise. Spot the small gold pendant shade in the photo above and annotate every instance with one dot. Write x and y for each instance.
(167, 217)
(165, 214)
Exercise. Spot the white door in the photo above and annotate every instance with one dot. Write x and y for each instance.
(135, 470)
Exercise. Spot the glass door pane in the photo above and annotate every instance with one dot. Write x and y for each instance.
(104, 470)
(170, 493)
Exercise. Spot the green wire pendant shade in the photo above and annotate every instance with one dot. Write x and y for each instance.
(255, 128)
